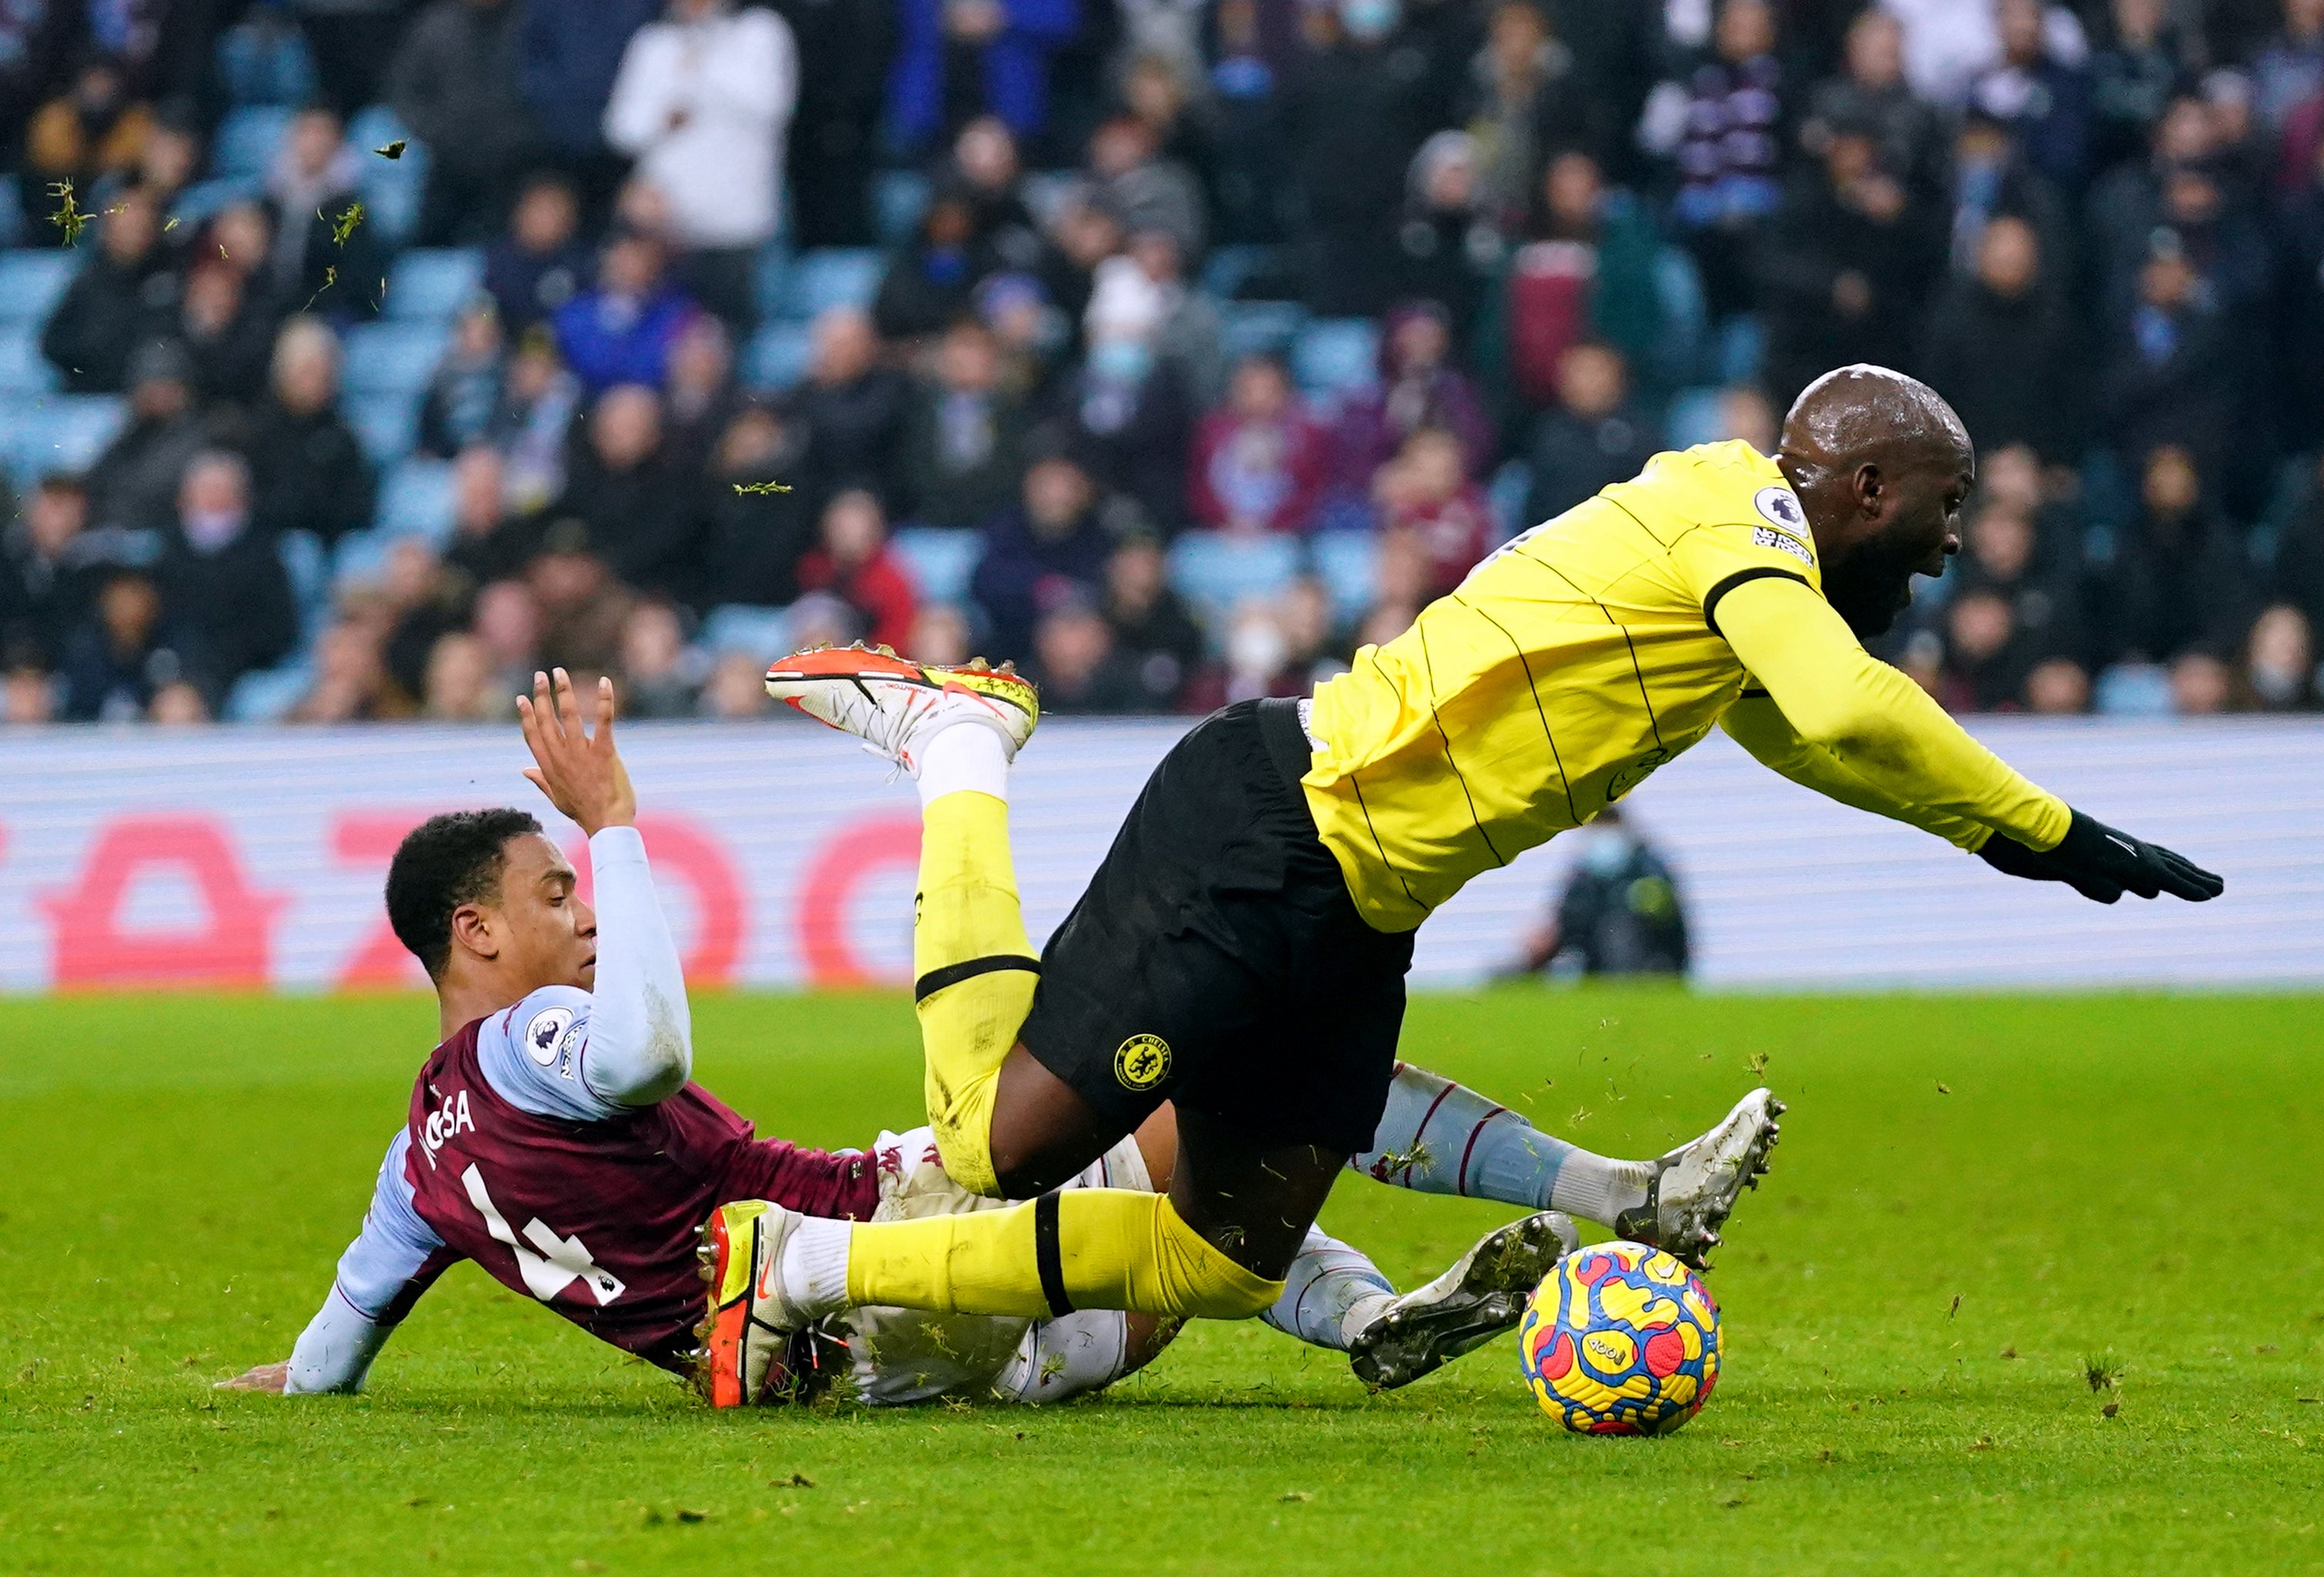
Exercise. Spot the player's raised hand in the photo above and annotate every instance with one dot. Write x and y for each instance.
(581, 772)
(267, 1376)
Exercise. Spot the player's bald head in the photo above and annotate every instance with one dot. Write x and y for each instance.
(1865, 414)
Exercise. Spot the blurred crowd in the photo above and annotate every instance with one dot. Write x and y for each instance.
(1304, 284)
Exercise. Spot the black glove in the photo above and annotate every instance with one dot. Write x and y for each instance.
(2102, 864)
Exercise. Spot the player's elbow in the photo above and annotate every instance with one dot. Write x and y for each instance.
(661, 1068)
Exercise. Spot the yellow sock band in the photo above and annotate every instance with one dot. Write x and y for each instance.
(1085, 1248)
(974, 966)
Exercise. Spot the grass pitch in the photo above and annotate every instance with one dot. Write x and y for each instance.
(1982, 1208)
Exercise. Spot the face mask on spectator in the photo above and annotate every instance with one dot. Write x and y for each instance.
(207, 530)
(1121, 361)
(1370, 20)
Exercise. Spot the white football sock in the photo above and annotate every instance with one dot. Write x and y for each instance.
(1438, 1137)
(1330, 1293)
(813, 1268)
(970, 755)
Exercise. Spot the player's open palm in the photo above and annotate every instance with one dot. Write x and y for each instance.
(581, 772)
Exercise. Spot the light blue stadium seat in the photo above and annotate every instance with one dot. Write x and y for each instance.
(393, 358)
(392, 188)
(265, 61)
(899, 199)
(1693, 418)
(1258, 328)
(776, 357)
(11, 214)
(199, 204)
(1741, 349)
(1336, 356)
(268, 695)
(434, 283)
(768, 271)
(2132, 689)
(387, 424)
(1216, 570)
(1511, 485)
(941, 561)
(828, 277)
(761, 634)
(22, 369)
(1347, 562)
(308, 563)
(1686, 314)
(415, 499)
(248, 139)
(31, 282)
(44, 434)
(1044, 192)
(1229, 268)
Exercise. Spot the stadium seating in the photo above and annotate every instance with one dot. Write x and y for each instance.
(1693, 419)
(395, 357)
(31, 283)
(268, 695)
(775, 359)
(433, 284)
(415, 499)
(761, 634)
(22, 369)
(247, 139)
(828, 277)
(1258, 328)
(1347, 562)
(1336, 357)
(1214, 571)
(1512, 484)
(392, 188)
(941, 561)
(386, 423)
(41, 435)
(199, 204)
(899, 199)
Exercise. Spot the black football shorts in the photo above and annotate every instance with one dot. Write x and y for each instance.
(1217, 959)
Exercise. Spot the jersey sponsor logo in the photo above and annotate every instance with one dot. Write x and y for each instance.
(549, 1026)
(1781, 506)
(1781, 542)
(552, 1263)
(1142, 1062)
(445, 1122)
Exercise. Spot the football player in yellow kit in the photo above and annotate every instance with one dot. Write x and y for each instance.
(1242, 951)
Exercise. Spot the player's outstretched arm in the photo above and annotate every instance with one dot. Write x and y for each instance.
(1886, 731)
(1758, 725)
(640, 1037)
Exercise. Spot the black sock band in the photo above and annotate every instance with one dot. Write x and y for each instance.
(952, 974)
(1049, 1256)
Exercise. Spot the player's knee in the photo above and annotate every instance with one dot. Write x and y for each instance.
(1209, 1285)
(1238, 1301)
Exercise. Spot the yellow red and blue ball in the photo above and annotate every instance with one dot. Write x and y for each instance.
(1620, 1339)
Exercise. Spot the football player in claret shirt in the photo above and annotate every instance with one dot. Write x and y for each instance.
(1243, 950)
(555, 1138)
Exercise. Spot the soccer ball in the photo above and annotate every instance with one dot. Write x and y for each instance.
(1620, 1339)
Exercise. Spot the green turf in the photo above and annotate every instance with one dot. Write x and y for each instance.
(1973, 1197)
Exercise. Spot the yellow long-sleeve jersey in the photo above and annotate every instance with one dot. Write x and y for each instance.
(1591, 649)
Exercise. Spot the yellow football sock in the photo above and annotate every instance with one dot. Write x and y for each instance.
(1082, 1249)
(975, 974)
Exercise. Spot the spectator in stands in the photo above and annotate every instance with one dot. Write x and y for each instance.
(2044, 100)
(1027, 331)
(351, 682)
(134, 481)
(459, 686)
(737, 689)
(464, 392)
(2179, 580)
(702, 397)
(2279, 668)
(635, 509)
(1420, 386)
(95, 129)
(122, 295)
(964, 442)
(119, 657)
(1187, 337)
(49, 573)
(703, 102)
(1132, 411)
(853, 408)
(169, 162)
(228, 333)
(538, 403)
(1247, 106)
(1847, 271)
(34, 46)
(455, 83)
(1425, 494)
(489, 542)
(223, 585)
(1356, 116)
(1721, 131)
(984, 167)
(1587, 271)
(1144, 190)
(572, 53)
(1594, 437)
(2289, 73)
(28, 694)
(1151, 629)
(2169, 368)
(539, 265)
(1083, 234)
(941, 636)
(1256, 660)
(959, 59)
(350, 42)
(1079, 668)
(2012, 612)
(658, 679)
(583, 603)
(508, 628)
(2001, 345)
(241, 235)
(326, 255)
(1522, 106)
(2201, 684)
(853, 561)
(1039, 551)
(846, 53)
(928, 281)
(1260, 462)
(1447, 253)
(2125, 206)
(754, 540)
(310, 472)
(1871, 94)
(2133, 71)
(621, 329)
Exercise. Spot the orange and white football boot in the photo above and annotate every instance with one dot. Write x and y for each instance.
(895, 707)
